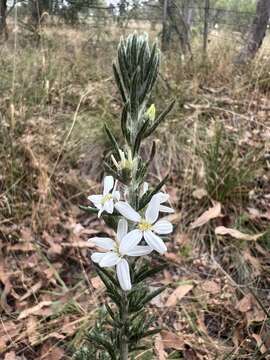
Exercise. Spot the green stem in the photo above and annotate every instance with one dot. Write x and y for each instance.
(124, 335)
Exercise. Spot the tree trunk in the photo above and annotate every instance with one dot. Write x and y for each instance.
(3, 19)
(256, 34)
(206, 26)
(165, 27)
(37, 10)
(188, 12)
(179, 25)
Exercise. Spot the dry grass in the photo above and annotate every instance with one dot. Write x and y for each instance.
(54, 102)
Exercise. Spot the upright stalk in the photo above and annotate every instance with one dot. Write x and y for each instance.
(124, 330)
(132, 212)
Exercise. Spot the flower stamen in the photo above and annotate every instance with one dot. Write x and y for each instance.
(106, 198)
(144, 225)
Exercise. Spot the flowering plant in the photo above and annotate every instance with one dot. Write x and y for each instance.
(131, 209)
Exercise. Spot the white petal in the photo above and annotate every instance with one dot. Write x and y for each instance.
(108, 206)
(127, 211)
(116, 195)
(103, 242)
(95, 199)
(161, 197)
(139, 251)
(130, 240)
(100, 211)
(163, 227)
(123, 275)
(155, 242)
(108, 184)
(152, 210)
(122, 229)
(166, 209)
(110, 259)
(145, 187)
(97, 256)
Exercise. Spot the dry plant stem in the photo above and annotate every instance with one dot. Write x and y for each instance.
(124, 318)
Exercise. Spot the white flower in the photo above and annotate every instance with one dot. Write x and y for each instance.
(162, 198)
(148, 226)
(126, 244)
(105, 202)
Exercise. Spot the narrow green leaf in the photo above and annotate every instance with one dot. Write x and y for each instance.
(149, 82)
(134, 52)
(89, 209)
(134, 104)
(142, 58)
(119, 83)
(124, 123)
(152, 295)
(104, 343)
(148, 273)
(108, 274)
(124, 68)
(112, 139)
(151, 60)
(140, 137)
(104, 279)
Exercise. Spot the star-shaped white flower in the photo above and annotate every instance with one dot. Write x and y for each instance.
(162, 199)
(148, 226)
(105, 202)
(126, 244)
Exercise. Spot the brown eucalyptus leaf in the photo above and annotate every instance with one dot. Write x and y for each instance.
(178, 294)
(208, 215)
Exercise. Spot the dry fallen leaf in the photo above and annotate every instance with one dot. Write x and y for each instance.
(255, 316)
(50, 352)
(97, 283)
(182, 238)
(24, 247)
(8, 330)
(78, 244)
(34, 310)
(178, 294)
(172, 341)
(208, 215)
(199, 193)
(33, 289)
(255, 213)
(260, 343)
(222, 230)
(173, 257)
(7, 286)
(253, 261)
(55, 247)
(174, 218)
(31, 330)
(159, 348)
(245, 304)
(10, 356)
(211, 286)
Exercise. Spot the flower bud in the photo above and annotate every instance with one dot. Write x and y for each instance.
(126, 165)
(151, 112)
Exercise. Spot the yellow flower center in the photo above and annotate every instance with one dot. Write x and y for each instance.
(106, 198)
(144, 225)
